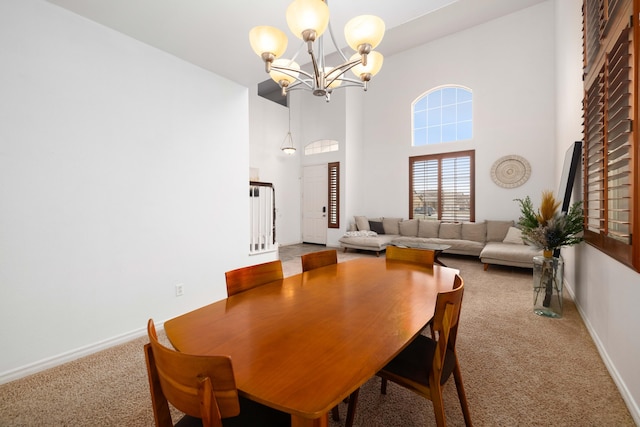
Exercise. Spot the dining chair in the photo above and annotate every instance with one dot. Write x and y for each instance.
(426, 364)
(421, 256)
(203, 388)
(245, 278)
(319, 259)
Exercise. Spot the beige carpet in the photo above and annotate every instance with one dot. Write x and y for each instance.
(519, 370)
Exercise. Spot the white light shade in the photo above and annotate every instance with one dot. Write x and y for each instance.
(374, 64)
(328, 77)
(307, 15)
(265, 39)
(364, 29)
(278, 75)
(287, 145)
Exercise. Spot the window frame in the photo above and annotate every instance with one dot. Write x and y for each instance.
(439, 157)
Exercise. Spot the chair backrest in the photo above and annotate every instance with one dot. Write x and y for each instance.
(420, 256)
(243, 279)
(200, 386)
(319, 259)
(445, 323)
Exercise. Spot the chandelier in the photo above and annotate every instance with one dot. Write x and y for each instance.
(308, 20)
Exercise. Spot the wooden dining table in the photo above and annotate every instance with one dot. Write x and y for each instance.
(304, 343)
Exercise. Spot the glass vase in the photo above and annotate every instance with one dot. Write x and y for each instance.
(548, 273)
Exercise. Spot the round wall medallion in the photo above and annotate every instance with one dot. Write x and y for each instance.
(510, 171)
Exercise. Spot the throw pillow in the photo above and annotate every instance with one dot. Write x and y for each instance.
(474, 231)
(391, 225)
(409, 228)
(514, 235)
(428, 228)
(362, 223)
(497, 230)
(450, 230)
(376, 226)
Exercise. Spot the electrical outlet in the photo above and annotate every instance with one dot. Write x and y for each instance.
(179, 289)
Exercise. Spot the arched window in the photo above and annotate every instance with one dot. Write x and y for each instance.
(321, 146)
(442, 114)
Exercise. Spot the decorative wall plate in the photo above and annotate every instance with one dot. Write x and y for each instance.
(510, 171)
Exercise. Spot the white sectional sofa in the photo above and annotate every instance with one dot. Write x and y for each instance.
(494, 242)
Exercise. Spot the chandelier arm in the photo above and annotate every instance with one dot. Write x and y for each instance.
(289, 71)
(340, 70)
(300, 84)
(316, 75)
(350, 80)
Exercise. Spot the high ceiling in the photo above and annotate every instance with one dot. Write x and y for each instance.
(213, 34)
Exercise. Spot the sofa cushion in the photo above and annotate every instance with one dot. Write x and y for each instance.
(428, 228)
(409, 228)
(376, 226)
(497, 230)
(362, 223)
(509, 254)
(450, 230)
(391, 225)
(514, 235)
(370, 243)
(474, 231)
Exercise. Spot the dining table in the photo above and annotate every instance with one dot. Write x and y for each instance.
(304, 343)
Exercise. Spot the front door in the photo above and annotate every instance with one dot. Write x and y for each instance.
(314, 204)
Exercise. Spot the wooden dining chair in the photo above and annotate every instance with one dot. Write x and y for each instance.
(319, 259)
(421, 256)
(312, 261)
(203, 388)
(426, 364)
(243, 279)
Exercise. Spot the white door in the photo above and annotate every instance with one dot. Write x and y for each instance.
(314, 204)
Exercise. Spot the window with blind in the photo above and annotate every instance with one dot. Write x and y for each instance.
(333, 214)
(442, 186)
(610, 144)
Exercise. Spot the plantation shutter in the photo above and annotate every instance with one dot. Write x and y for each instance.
(424, 193)
(455, 189)
(609, 141)
(334, 195)
(442, 184)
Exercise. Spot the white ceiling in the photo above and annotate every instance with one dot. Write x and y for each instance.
(214, 34)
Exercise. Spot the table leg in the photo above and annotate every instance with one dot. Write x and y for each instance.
(436, 258)
(297, 421)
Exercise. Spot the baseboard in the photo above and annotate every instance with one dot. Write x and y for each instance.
(60, 359)
(633, 407)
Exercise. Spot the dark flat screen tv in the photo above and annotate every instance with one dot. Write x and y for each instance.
(569, 170)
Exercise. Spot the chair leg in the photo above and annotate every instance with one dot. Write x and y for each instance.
(462, 396)
(335, 413)
(383, 386)
(438, 406)
(351, 409)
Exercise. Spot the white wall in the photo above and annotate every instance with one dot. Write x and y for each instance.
(605, 291)
(508, 64)
(123, 171)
